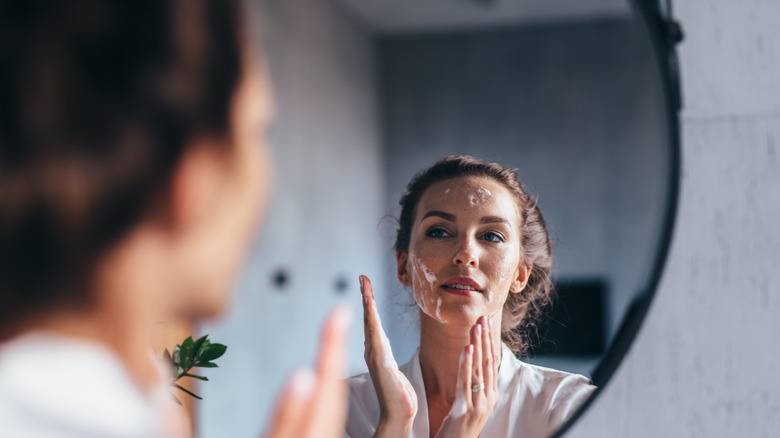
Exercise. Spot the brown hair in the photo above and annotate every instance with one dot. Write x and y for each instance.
(98, 101)
(521, 310)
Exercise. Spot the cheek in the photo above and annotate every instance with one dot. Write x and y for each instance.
(423, 283)
(504, 269)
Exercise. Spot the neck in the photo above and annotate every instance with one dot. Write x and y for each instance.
(440, 349)
(124, 307)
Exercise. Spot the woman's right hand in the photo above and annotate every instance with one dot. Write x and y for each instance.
(397, 399)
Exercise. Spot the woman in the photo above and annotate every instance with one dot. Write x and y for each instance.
(474, 248)
(133, 170)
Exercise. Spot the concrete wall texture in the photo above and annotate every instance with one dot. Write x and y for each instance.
(704, 362)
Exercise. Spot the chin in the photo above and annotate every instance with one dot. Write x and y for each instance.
(465, 318)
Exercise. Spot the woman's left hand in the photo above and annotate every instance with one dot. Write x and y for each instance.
(477, 387)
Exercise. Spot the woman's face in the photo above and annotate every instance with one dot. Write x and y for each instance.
(235, 201)
(464, 250)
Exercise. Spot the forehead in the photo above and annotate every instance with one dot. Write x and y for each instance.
(469, 195)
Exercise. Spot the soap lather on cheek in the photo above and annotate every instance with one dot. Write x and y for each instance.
(425, 302)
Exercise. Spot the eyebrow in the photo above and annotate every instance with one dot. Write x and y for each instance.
(493, 220)
(441, 214)
(451, 217)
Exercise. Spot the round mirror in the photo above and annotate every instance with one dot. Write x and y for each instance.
(578, 96)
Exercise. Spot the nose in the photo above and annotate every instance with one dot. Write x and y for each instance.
(467, 253)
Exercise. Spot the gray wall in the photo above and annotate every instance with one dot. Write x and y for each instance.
(322, 226)
(705, 361)
(574, 106)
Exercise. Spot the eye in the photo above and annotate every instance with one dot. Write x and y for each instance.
(437, 233)
(493, 237)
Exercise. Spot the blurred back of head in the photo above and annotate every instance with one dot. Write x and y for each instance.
(98, 101)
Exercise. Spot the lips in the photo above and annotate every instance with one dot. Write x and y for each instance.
(462, 286)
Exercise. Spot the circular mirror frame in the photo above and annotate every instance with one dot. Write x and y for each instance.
(664, 33)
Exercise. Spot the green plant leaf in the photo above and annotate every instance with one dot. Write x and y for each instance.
(205, 379)
(199, 345)
(176, 358)
(192, 353)
(187, 353)
(188, 392)
(202, 349)
(213, 351)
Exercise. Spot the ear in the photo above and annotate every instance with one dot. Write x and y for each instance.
(521, 279)
(403, 274)
(195, 186)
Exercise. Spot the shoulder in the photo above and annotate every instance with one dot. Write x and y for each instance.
(547, 395)
(559, 385)
(91, 394)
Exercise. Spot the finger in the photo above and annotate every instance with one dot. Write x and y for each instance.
(496, 351)
(376, 339)
(372, 323)
(293, 406)
(368, 296)
(365, 289)
(476, 342)
(329, 407)
(487, 353)
(464, 372)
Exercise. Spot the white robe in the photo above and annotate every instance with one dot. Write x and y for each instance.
(57, 386)
(533, 401)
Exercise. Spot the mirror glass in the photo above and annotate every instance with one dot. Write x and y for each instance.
(369, 92)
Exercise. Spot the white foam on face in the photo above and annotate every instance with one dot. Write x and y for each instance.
(430, 276)
(424, 301)
(479, 196)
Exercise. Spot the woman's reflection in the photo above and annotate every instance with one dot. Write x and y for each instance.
(473, 246)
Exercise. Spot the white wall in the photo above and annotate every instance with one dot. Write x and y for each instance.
(705, 362)
(324, 215)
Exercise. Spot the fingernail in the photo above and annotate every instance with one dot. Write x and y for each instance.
(490, 324)
(478, 331)
(303, 382)
(360, 282)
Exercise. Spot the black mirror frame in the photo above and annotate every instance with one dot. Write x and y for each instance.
(665, 33)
